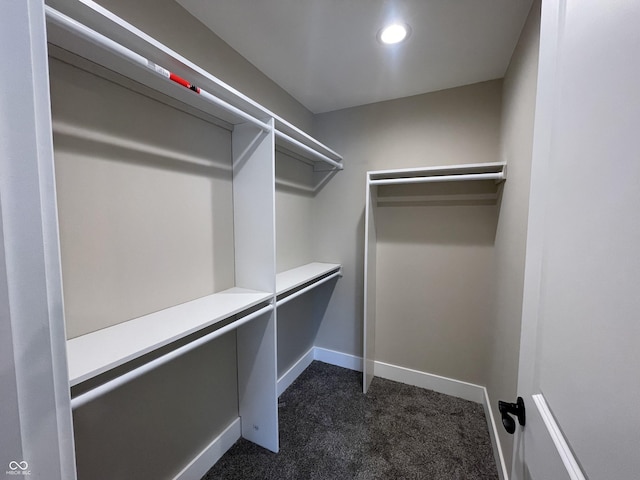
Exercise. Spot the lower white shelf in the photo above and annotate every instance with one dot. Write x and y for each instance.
(97, 352)
(290, 280)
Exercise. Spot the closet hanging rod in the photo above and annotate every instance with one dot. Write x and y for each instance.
(100, 390)
(121, 51)
(498, 176)
(309, 150)
(310, 287)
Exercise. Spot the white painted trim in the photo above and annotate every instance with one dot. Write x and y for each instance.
(201, 464)
(294, 372)
(569, 461)
(339, 359)
(448, 386)
(501, 466)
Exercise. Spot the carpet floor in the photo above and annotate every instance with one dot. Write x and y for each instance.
(330, 430)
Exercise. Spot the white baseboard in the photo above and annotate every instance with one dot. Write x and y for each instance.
(448, 386)
(339, 359)
(501, 466)
(294, 372)
(201, 464)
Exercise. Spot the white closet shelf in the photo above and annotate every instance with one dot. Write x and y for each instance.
(79, 26)
(97, 352)
(448, 173)
(311, 273)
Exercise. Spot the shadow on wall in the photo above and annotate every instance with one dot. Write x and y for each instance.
(456, 213)
(297, 327)
(438, 225)
(95, 145)
(296, 175)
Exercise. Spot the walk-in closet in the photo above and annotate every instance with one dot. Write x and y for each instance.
(306, 239)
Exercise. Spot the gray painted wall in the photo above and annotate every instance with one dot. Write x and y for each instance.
(144, 199)
(434, 300)
(460, 125)
(518, 108)
(294, 214)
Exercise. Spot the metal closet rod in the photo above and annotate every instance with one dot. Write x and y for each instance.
(84, 398)
(114, 47)
(439, 178)
(308, 149)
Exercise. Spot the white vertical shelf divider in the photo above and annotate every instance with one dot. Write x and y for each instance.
(369, 286)
(254, 231)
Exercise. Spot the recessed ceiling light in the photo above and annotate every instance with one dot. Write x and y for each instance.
(394, 33)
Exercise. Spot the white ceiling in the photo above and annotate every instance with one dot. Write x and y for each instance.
(325, 52)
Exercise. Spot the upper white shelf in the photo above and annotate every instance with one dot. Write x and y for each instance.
(447, 173)
(97, 352)
(311, 273)
(93, 33)
(469, 184)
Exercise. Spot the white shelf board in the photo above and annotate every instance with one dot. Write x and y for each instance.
(296, 277)
(97, 352)
(445, 170)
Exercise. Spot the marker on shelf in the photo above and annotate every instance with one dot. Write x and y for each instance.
(172, 76)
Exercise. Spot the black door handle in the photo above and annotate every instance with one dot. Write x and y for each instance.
(508, 409)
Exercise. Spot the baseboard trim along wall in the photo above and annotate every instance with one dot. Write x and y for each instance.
(323, 355)
(448, 386)
(201, 464)
(337, 358)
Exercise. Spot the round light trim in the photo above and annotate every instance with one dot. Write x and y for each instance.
(394, 33)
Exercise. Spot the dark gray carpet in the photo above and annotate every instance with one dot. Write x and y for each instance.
(330, 430)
